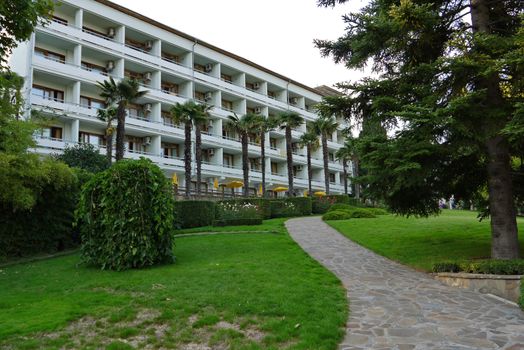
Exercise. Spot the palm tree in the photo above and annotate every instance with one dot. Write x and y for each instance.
(345, 154)
(121, 94)
(287, 121)
(108, 115)
(310, 141)
(263, 125)
(324, 126)
(199, 114)
(181, 115)
(242, 126)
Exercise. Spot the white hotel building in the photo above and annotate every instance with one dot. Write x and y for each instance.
(89, 40)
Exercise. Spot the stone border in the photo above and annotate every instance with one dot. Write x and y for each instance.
(503, 286)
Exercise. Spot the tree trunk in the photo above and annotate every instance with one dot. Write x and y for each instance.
(109, 144)
(120, 131)
(198, 157)
(309, 171)
(325, 153)
(504, 231)
(263, 160)
(289, 154)
(355, 175)
(245, 163)
(345, 172)
(187, 157)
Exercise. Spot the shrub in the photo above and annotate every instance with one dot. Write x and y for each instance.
(289, 207)
(322, 204)
(361, 213)
(496, 267)
(378, 211)
(191, 214)
(337, 215)
(84, 156)
(238, 222)
(125, 216)
(264, 205)
(341, 206)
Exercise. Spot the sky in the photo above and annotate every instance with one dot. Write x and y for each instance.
(277, 34)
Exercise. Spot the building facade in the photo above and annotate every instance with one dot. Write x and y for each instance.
(89, 40)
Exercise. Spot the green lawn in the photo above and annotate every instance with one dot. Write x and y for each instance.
(270, 226)
(243, 291)
(421, 242)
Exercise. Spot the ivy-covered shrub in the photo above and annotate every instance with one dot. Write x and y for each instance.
(237, 213)
(191, 214)
(337, 215)
(47, 226)
(125, 216)
(263, 204)
(289, 207)
(495, 267)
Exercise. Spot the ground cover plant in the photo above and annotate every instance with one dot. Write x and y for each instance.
(223, 292)
(420, 242)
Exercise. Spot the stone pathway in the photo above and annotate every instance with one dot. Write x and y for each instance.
(395, 307)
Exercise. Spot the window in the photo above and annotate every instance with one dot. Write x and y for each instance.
(92, 103)
(250, 86)
(272, 94)
(254, 164)
(331, 157)
(94, 68)
(226, 78)
(272, 142)
(94, 32)
(200, 96)
(94, 139)
(200, 68)
(171, 57)
(53, 56)
(133, 75)
(135, 144)
(48, 93)
(170, 150)
(54, 133)
(167, 119)
(169, 88)
(250, 110)
(137, 45)
(227, 105)
(331, 177)
(228, 160)
(134, 111)
(60, 20)
(295, 147)
(274, 168)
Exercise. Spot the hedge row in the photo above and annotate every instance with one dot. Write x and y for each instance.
(290, 207)
(189, 214)
(496, 267)
(322, 204)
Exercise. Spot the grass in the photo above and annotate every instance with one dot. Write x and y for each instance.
(243, 291)
(270, 226)
(421, 242)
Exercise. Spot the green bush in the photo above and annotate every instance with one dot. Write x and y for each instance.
(263, 205)
(84, 156)
(47, 226)
(322, 204)
(238, 222)
(290, 207)
(495, 267)
(191, 214)
(341, 206)
(125, 216)
(378, 211)
(361, 213)
(337, 215)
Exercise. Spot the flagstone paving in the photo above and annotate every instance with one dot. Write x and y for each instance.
(395, 307)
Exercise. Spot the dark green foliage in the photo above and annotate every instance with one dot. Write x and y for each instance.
(495, 267)
(361, 213)
(337, 215)
(125, 217)
(84, 156)
(377, 211)
(340, 206)
(238, 222)
(354, 202)
(289, 207)
(322, 204)
(194, 213)
(47, 226)
(263, 204)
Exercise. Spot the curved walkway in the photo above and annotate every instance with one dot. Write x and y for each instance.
(395, 307)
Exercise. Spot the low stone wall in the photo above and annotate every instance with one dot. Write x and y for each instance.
(507, 287)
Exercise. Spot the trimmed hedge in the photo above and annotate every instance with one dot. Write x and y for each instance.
(289, 207)
(495, 267)
(341, 206)
(238, 222)
(263, 204)
(361, 213)
(337, 215)
(125, 216)
(189, 214)
(322, 204)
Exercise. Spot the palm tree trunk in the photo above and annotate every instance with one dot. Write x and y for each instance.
(187, 157)
(109, 145)
(356, 171)
(198, 157)
(345, 166)
(325, 154)
(245, 163)
(263, 160)
(120, 131)
(309, 171)
(289, 154)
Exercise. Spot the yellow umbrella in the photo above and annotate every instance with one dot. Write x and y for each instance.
(235, 184)
(280, 189)
(306, 193)
(260, 190)
(174, 179)
(215, 184)
(320, 193)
